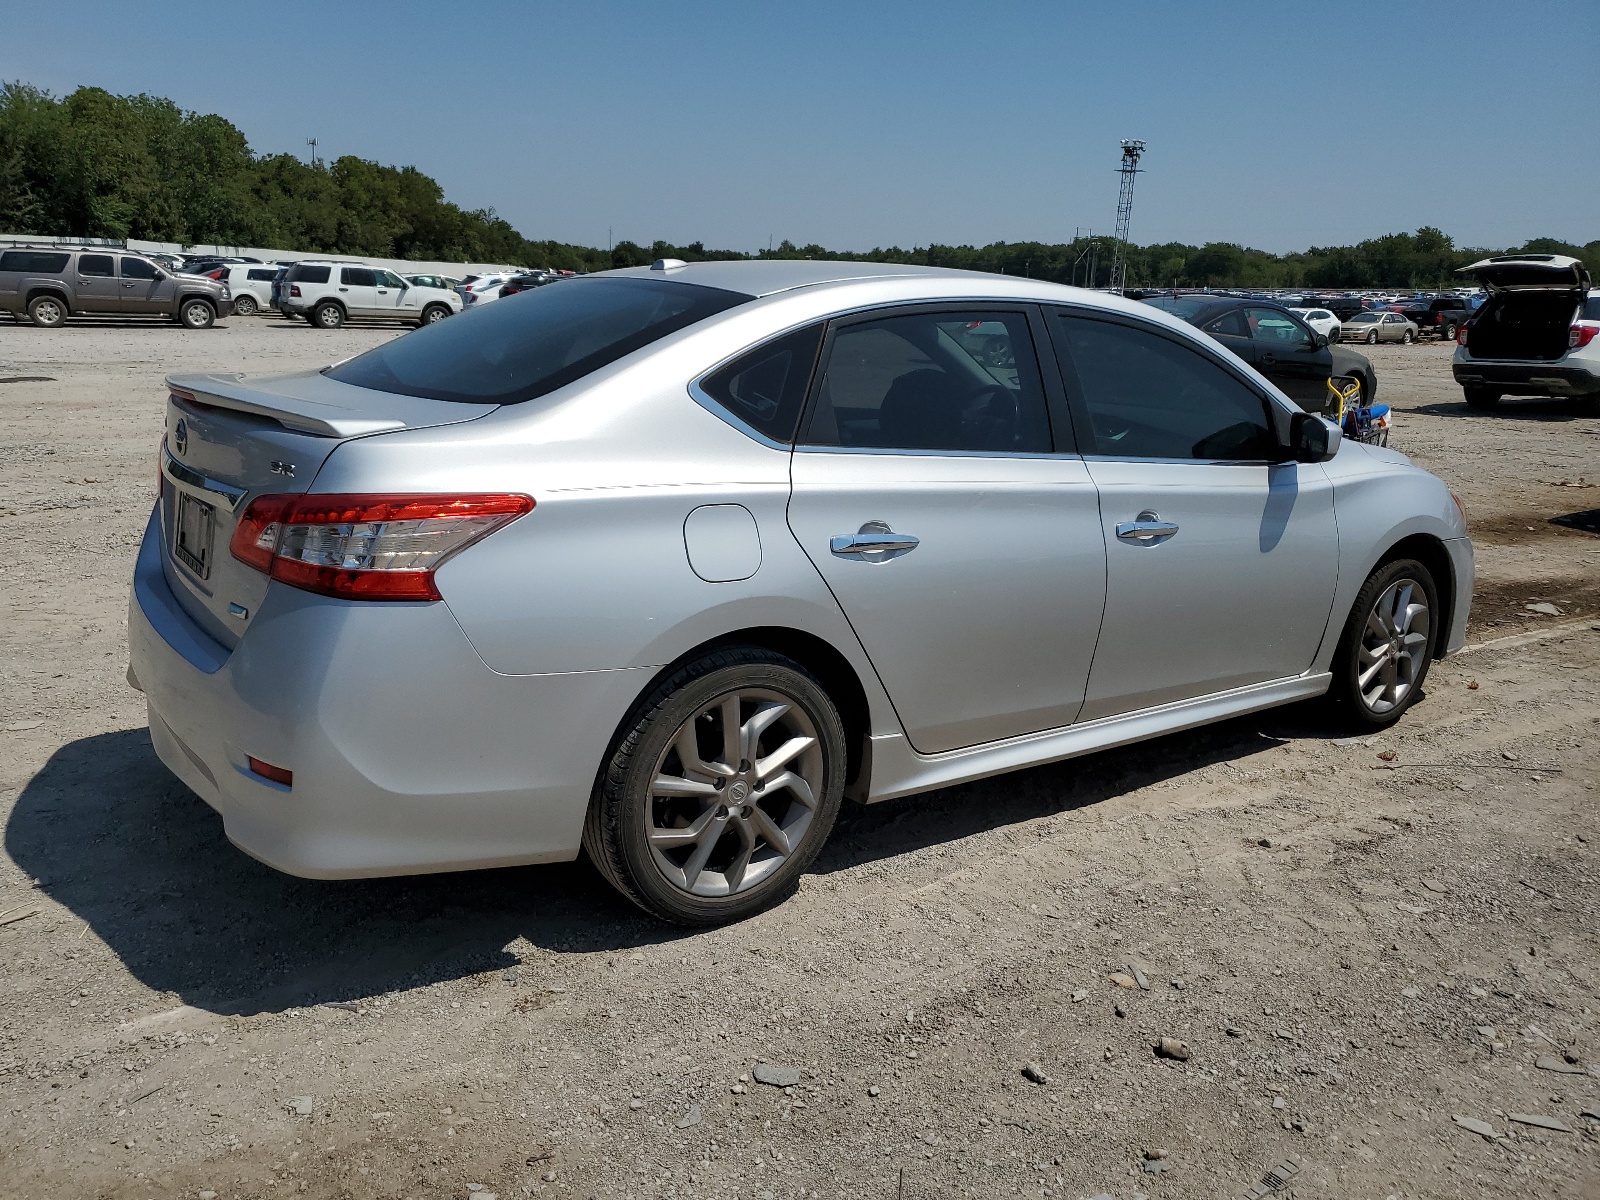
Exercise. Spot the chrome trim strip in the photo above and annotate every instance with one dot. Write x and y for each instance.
(189, 477)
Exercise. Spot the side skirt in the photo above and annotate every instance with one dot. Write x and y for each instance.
(898, 770)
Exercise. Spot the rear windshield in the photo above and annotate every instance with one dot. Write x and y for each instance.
(301, 273)
(33, 261)
(533, 342)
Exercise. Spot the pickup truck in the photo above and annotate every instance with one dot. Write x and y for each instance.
(1442, 315)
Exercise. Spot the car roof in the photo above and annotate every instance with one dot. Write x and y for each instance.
(767, 276)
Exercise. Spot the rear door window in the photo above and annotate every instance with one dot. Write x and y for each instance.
(137, 268)
(766, 387)
(955, 381)
(508, 353)
(34, 262)
(98, 265)
(1146, 396)
(358, 276)
(260, 275)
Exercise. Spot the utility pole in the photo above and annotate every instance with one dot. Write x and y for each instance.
(1131, 152)
(312, 142)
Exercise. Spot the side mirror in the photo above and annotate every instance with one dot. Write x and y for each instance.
(160, 274)
(1322, 340)
(1312, 439)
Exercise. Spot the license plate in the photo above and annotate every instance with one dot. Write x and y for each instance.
(192, 533)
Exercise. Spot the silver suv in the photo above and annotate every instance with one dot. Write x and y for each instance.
(51, 283)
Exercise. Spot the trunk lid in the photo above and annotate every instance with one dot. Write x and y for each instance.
(229, 440)
(1530, 273)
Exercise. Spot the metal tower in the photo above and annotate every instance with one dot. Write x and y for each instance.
(1131, 151)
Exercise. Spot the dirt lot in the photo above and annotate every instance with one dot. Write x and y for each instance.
(1358, 942)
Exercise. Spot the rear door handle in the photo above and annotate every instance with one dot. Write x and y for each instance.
(1147, 529)
(875, 539)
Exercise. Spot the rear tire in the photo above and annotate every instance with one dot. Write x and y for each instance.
(758, 831)
(434, 313)
(196, 314)
(1405, 338)
(47, 312)
(1448, 333)
(1387, 645)
(1481, 397)
(245, 305)
(327, 315)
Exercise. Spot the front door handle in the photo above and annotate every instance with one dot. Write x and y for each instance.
(875, 541)
(1147, 529)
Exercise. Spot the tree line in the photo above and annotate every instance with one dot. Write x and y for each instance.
(92, 164)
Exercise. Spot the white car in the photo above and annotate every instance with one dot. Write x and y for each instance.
(329, 293)
(1321, 320)
(251, 284)
(482, 289)
(1538, 334)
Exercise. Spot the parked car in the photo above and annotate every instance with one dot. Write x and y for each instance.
(1375, 327)
(1442, 315)
(50, 284)
(1321, 320)
(1279, 344)
(483, 289)
(692, 552)
(434, 281)
(329, 293)
(1538, 334)
(1342, 307)
(525, 281)
(250, 283)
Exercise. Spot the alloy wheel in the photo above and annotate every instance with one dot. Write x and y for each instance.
(734, 794)
(1389, 661)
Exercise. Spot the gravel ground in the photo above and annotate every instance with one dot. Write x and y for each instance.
(1356, 943)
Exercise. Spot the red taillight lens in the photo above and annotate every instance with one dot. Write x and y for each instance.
(267, 771)
(1461, 335)
(1580, 336)
(367, 547)
(294, 289)
(217, 274)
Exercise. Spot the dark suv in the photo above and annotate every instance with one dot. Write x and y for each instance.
(51, 283)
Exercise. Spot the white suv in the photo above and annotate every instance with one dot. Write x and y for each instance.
(251, 284)
(329, 293)
(1538, 334)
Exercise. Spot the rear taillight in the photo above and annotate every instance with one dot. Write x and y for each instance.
(367, 547)
(1580, 336)
(1461, 335)
(294, 289)
(217, 274)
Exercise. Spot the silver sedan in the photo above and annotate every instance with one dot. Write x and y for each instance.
(1375, 327)
(664, 564)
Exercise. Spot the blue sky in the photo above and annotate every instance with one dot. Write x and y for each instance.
(1278, 125)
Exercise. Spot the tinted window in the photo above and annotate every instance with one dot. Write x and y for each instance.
(33, 261)
(1181, 307)
(1229, 324)
(1276, 329)
(259, 273)
(958, 381)
(301, 273)
(358, 276)
(505, 353)
(1149, 397)
(137, 268)
(766, 387)
(1591, 309)
(96, 264)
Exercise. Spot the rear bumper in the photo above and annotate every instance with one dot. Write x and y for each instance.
(409, 754)
(1528, 379)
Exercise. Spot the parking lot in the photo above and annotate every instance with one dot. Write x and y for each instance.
(1357, 941)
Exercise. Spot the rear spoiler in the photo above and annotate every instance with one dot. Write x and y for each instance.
(310, 402)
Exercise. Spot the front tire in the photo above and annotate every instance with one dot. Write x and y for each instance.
(1372, 338)
(1387, 645)
(47, 312)
(721, 790)
(1481, 397)
(196, 314)
(327, 315)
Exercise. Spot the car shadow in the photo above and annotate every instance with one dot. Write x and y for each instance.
(108, 833)
(1517, 408)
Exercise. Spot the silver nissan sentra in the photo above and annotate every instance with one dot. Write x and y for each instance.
(663, 564)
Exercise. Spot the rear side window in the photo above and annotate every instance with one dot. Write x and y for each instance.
(1149, 397)
(302, 273)
(1591, 309)
(33, 261)
(507, 353)
(100, 265)
(260, 275)
(137, 268)
(358, 276)
(959, 382)
(766, 387)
